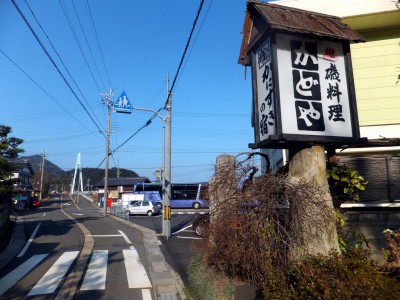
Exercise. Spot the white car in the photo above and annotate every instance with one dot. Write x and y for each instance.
(142, 208)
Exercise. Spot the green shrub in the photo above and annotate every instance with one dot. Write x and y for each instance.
(344, 183)
(347, 276)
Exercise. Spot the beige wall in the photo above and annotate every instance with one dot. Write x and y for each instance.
(376, 66)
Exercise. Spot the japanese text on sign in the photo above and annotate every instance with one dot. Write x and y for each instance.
(265, 91)
(316, 99)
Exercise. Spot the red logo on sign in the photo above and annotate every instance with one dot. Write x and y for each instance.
(330, 54)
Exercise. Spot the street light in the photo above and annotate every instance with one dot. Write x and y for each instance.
(166, 166)
(124, 106)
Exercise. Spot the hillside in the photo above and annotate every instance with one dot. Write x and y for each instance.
(49, 168)
(54, 177)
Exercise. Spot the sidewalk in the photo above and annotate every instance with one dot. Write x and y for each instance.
(16, 244)
(166, 282)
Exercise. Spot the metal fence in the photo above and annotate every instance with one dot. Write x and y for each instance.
(118, 211)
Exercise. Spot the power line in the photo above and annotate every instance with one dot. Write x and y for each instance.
(61, 60)
(198, 32)
(87, 43)
(71, 27)
(55, 65)
(173, 84)
(38, 85)
(172, 87)
(184, 52)
(98, 43)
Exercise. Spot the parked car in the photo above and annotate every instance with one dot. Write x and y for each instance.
(142, 208)
(24, 202)
(131, 203)
(35, 203)
(201, 224)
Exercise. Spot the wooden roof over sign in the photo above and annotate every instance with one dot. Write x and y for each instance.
(262, 17)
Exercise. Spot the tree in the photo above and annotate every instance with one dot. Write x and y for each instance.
(8, 150)
(9, 145)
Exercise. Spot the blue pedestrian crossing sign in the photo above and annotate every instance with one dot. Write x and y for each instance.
(122, 105)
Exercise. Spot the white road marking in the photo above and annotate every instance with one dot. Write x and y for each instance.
(125, 237)
(184, 228)
(127, 240)
(135, 271)
(146, 295)
(105, 235)
(95, 278)
(49, 282)
(11, 278)
(29, 241)
(189, 238)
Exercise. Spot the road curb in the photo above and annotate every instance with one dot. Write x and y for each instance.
(70, 285)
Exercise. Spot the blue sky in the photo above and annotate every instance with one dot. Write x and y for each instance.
(141, 41)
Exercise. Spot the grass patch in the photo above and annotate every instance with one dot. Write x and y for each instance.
(206, 284)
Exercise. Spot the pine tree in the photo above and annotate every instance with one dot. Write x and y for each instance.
(8, 150)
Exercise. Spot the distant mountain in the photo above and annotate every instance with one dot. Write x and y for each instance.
(54, 177)
(49, 168)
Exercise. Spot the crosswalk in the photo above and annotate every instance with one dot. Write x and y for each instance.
(95, 277)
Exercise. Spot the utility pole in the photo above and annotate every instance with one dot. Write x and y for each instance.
(43, 155)
(167, 172)
(108, 101)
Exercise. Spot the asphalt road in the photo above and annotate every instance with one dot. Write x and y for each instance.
(49, 264)
(183, 245)
(52, 237)
(126, 262)
(111, 239)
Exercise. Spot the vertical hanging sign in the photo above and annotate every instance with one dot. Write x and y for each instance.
(264, 99)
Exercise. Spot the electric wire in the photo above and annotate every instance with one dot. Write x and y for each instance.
(197, 35)
(172, 87)
(98, 43)
(184, 52)
(87, 43)
(44, 91)
(61, 60)
(78, 43)
(55, 65)
(148, 122)
(70, 24)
